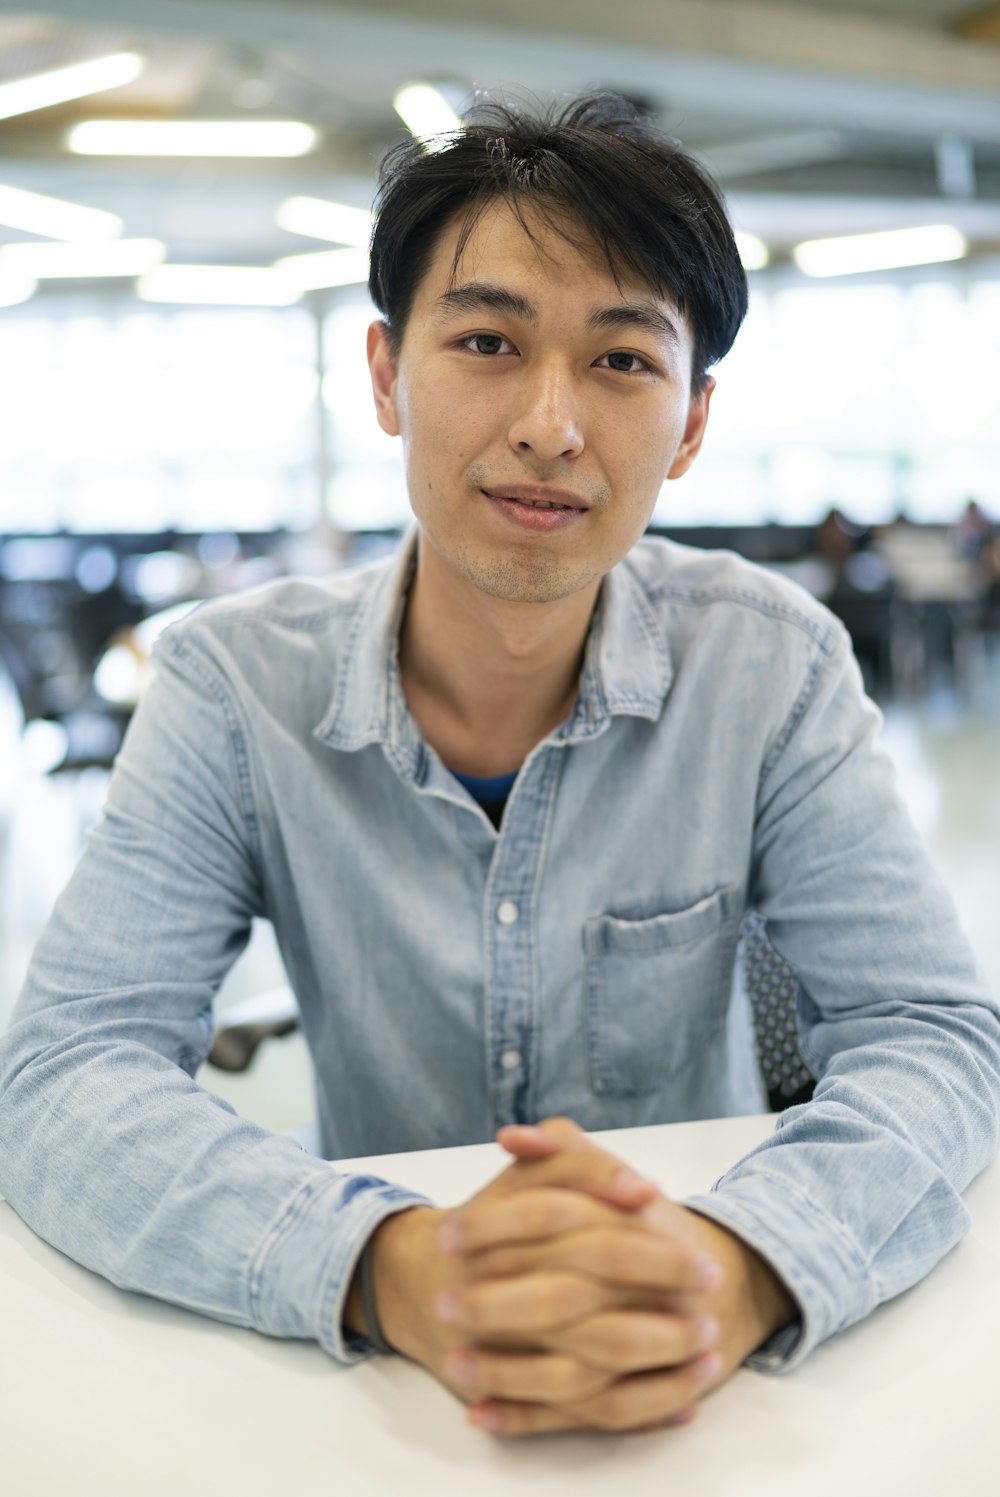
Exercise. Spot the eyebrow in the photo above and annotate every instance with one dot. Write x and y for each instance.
(484, 296)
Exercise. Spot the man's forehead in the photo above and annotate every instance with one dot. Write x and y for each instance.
(478, 257)
(544, 234)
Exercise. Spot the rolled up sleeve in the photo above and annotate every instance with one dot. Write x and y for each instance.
(109, 1150)
(857, 1194)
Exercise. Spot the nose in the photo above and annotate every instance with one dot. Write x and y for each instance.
(547, 422)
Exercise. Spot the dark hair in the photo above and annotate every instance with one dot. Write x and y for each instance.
(649, 208)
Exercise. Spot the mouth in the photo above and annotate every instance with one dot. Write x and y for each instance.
(557, 499)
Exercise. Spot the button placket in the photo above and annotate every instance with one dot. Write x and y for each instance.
(510, 937)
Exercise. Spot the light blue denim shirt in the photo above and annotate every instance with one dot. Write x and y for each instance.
(721, 756)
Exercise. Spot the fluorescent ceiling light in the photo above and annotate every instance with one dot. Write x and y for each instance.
(343, 267)
(427, 114)
(120, 257)
(76, 82)
(15, 289)
(192, 138)
(753, 251)
(322, 220)
(852, 253)
(35, 214)
(220, 285)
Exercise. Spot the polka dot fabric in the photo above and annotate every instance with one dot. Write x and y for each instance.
(772, 988)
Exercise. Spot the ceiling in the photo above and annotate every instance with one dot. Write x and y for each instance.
(821, 116)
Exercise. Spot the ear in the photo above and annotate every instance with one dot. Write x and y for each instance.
(384, 375)
(694, 429)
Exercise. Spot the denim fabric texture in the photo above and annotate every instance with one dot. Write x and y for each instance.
(721, 758)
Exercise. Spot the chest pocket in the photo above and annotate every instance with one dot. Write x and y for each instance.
(657, 991)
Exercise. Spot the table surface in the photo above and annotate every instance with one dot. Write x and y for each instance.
(118, 1394)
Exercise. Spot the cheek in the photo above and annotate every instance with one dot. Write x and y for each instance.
(638, 465)
(453, 430)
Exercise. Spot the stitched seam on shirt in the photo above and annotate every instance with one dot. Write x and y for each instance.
(292, 1213)
(647, 618)
(554, 771)
(820, 631)
(797, 711)
(347, 658)
(806, 1205)
(238, 738)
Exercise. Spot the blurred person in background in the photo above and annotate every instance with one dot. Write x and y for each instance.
(973, 532)
(506, 799)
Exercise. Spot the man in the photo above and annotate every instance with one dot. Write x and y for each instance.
(506, 799)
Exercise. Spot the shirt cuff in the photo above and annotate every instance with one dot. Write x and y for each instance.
(814, 1258)
(345, 1345)
(300, 1284)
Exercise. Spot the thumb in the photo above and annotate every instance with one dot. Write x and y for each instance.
(625, 1188)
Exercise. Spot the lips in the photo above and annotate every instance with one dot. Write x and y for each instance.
(538, 496)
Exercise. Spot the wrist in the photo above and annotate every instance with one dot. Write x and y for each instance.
(392, 1256)
(756, 1298)
(774, 1307)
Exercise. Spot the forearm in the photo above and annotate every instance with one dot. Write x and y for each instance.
(857, 1195)
(855, 1198)
(113, 1155)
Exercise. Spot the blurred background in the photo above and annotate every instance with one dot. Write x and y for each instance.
(185, 407)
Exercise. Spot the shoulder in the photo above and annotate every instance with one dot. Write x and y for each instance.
(280, 648)
(287, 609)
(682, 583)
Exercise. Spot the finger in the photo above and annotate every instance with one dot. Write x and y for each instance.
(581, 1361)
(590, 1170)
(624, 1187)
(545, 1419)
(527, 1215)
(532, 1306)
(528, 1142)
(636, 1340)
(549, 1136)
(511, 1375)
(609, 1253)
(645, 1401)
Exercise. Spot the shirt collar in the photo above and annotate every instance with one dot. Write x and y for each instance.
(626, 670)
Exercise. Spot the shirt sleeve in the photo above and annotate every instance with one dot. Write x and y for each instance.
(857, 1194)
(108, 1148)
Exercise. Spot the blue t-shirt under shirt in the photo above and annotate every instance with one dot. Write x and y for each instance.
(491, 791)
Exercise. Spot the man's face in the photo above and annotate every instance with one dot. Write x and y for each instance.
(532, 371)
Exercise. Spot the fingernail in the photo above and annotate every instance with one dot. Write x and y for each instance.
(450, 1237)
(706, 1331)
(483, 1417)
(710, 1368)
(462, 1366)
(446, 1305)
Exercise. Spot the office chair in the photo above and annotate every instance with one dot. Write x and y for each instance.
(773, 988)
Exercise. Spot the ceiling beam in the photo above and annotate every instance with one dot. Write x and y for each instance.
(750, 30)
(757, 58)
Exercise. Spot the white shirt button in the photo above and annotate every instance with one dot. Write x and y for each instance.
(507, 912)
(510, 1059)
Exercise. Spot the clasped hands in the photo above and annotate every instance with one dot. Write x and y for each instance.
(573, 1295)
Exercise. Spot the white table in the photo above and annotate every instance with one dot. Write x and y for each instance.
(119, 1395)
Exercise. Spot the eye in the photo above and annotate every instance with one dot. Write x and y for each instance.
(490, 340)
(638, 366)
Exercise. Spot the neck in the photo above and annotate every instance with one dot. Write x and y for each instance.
(487, 678)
